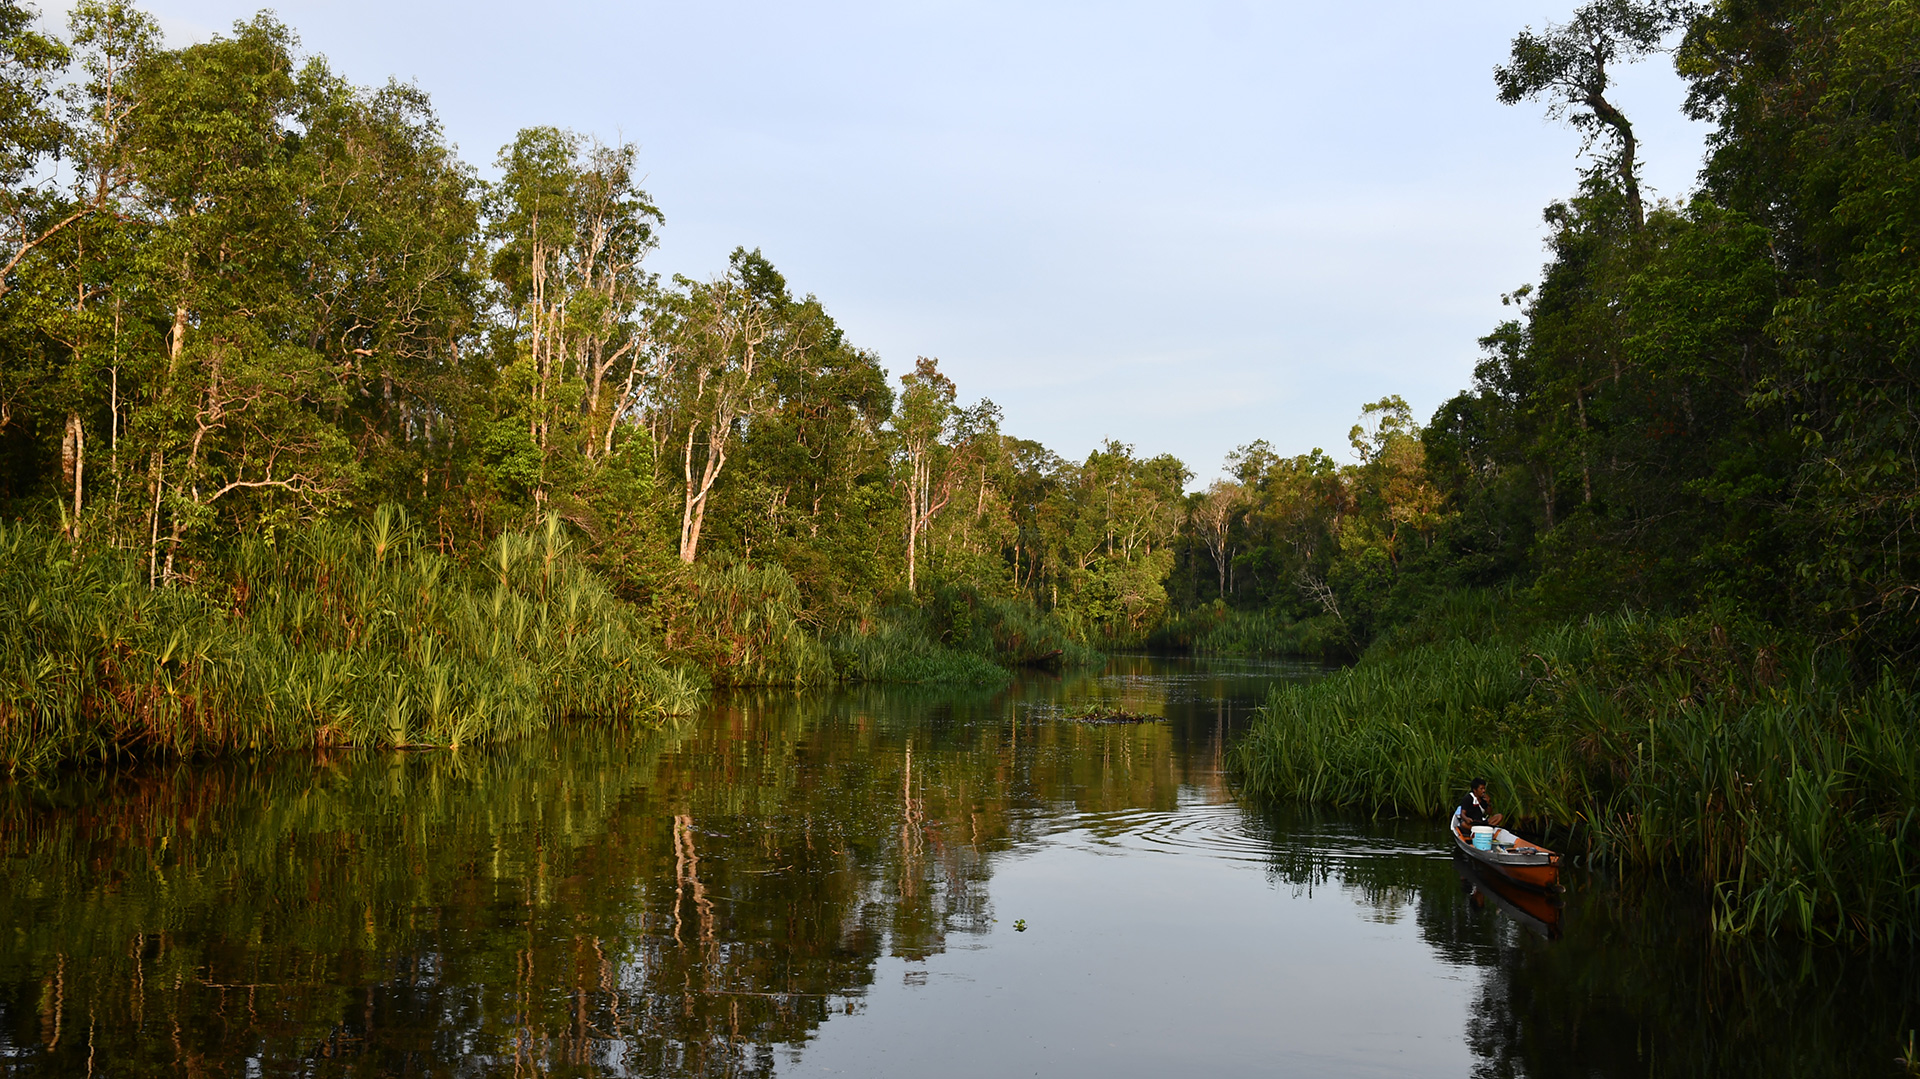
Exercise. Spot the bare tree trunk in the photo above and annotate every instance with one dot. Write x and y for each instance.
(1320, 593)
(1626, 166)
(73, 466)
(693, 511)
(686, 504)
(538, 305)
(79, 467)
(917, 465)
(209, 418)
(177, 340)
(600, 369)
(690, 542)
(69, 451)
(173, 548)
(626, 402)
(113, 435)
(176, 348)
(158, 468)
(913, 534)
(921, 505)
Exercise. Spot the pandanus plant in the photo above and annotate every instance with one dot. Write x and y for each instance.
(330, 635)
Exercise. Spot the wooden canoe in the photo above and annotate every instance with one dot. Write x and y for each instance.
(1529, 865)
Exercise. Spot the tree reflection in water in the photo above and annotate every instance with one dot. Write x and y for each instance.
(610, 902)
(700, 900)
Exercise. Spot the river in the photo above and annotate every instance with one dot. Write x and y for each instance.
(877, 881)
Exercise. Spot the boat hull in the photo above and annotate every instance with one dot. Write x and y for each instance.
(1530, 865)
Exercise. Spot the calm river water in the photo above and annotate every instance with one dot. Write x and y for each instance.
(874, 882)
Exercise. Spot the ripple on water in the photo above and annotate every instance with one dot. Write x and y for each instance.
(1227, 831)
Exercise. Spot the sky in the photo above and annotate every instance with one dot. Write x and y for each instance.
(1181, 226)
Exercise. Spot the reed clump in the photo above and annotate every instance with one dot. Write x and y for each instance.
(895, 649)
(334, 635)
(1703, 750)
(1219, 630)
(1008, 631)
(744, 624)
(960, 635)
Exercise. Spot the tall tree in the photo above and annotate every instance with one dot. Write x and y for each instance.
(727, 336)
(1568, 64)
(1213, 514)
(926, 416)
(31, 133)
(571, 228)
(1814, 177)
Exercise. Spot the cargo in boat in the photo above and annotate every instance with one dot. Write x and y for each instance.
(1518, 860)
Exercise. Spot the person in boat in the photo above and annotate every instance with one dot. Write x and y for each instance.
(1476, 808)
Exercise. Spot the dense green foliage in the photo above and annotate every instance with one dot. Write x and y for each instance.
(261, 297)
(1702, 417)
(243, 303)
(1677, 745)
(958, 635)
(1706, 402)
(1713, 407)
(338, 637)
(269, 298)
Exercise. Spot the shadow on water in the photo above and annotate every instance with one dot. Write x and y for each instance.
(703, 900)
(1615, 978)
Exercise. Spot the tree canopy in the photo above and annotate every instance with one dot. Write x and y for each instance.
(241, 295)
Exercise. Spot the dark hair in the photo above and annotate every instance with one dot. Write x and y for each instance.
(1476, 783)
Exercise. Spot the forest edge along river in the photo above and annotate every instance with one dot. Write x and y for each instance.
(868, 881)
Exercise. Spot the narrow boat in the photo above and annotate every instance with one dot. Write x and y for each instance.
(1535, 911)
(1529, 865)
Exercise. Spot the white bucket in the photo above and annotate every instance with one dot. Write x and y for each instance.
(1482, 837)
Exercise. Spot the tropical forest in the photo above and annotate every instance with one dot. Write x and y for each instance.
(333, 460)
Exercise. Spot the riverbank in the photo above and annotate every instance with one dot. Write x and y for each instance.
(1219, 630)
(331, 636)
(334, 635)
(1711, 752)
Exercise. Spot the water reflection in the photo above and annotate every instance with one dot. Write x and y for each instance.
(1536, 912)
(1616, 979)
(799, 883)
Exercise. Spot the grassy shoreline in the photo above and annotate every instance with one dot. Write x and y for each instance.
(1710, 753)
(1219, 630)
(335, 636)
(364, 636)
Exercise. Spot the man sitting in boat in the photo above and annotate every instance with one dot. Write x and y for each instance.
(1473, 810)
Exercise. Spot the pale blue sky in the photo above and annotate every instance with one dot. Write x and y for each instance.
(1184, 226)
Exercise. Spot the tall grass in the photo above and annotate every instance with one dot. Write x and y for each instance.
(959, 636)
(335, 636)
(743, 624)
(1763, 775)
(899, 650)
(1219, 630)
